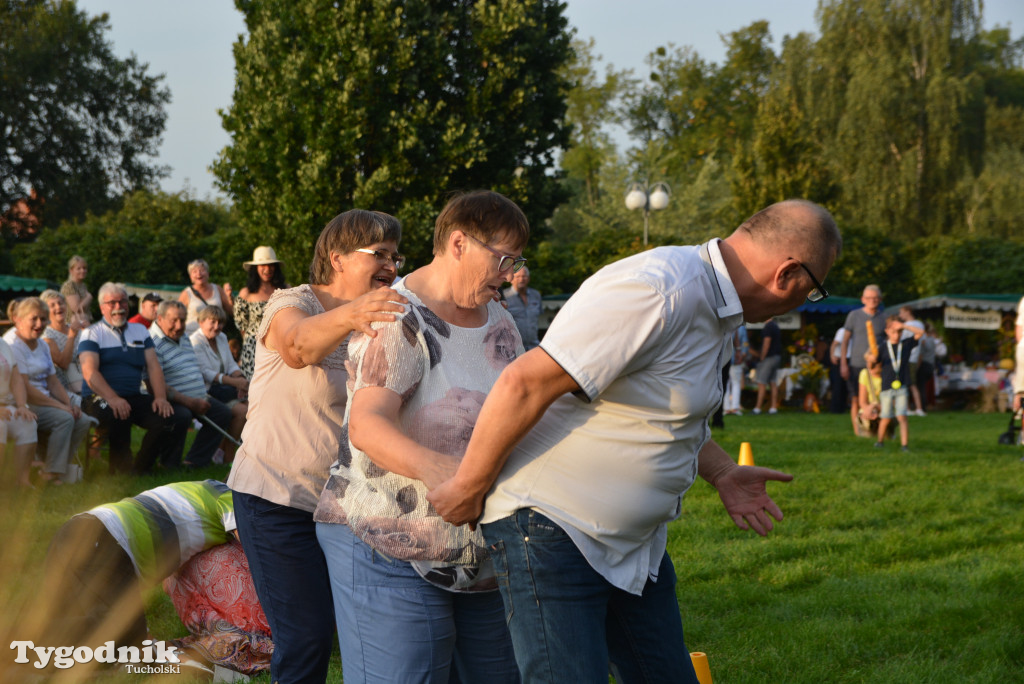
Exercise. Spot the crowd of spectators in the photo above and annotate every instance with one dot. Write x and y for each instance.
(61, 374)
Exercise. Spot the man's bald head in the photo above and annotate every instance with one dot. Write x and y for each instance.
(801, 228)
(774, 256)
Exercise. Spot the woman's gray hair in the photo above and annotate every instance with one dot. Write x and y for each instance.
(211, 311)
(197, 262)
(49, 294)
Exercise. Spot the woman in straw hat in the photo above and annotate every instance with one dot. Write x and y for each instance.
(264, 278)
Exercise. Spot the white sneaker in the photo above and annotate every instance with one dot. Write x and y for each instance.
(772, 411)
(756, 412)
(920, 412)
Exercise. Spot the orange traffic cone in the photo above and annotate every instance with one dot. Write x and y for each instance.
(700, 665)
(746, 454)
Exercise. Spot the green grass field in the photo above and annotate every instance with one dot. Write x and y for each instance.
(888, 567)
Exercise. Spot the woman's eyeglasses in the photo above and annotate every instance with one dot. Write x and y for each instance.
(383, 256)
(505, 262)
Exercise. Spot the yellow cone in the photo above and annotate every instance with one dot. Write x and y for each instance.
(746, 454)
(700, 664)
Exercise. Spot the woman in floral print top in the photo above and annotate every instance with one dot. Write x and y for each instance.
(415, 390)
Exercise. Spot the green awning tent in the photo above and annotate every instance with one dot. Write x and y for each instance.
(16, 286)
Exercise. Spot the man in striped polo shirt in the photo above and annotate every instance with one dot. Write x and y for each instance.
(186, 389)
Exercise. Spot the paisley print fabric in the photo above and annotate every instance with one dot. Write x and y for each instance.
(216, 600)
(443, 373)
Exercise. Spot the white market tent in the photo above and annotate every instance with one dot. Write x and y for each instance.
(972, 312)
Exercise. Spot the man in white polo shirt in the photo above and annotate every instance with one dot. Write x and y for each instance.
(610, 430)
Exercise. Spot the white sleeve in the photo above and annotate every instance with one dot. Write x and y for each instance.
(610, 326)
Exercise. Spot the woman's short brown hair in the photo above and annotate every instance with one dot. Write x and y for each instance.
(485, 215)
(345, 232)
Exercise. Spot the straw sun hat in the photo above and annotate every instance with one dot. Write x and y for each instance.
(261, 256)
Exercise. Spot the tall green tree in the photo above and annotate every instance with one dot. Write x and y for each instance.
(591, 109)
(77, 124)
(391, 105)
(783, 157)
(696, 109)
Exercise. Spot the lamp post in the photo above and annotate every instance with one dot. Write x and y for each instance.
(639, 196)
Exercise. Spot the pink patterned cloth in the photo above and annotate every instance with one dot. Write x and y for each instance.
(216, 600)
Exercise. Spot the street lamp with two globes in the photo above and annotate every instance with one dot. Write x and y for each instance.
(655, 198)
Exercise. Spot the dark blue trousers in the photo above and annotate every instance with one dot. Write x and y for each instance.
(290, 574)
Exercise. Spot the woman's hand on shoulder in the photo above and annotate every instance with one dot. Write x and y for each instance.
(375, 306)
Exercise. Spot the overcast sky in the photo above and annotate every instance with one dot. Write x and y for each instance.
(189, 41)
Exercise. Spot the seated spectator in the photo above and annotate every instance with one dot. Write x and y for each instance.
(224, 378)
(186, 389)
(114, 354)
(17, 422)
(147, 310)
(56, 414)
(100, 561)
(62, 338)
(77, 294)
(202, 293)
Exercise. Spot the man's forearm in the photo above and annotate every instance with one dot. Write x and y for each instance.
(713, 462)
(519, 398)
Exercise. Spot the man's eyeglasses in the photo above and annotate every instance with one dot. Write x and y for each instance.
(819, 292)
(383, 256)
(505, 262)
(116, 302)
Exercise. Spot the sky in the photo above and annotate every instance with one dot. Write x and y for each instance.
(190, 41)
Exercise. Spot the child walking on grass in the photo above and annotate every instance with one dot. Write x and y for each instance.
(895, 357)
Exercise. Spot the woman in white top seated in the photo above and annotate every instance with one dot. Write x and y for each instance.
(17, 422)
(223, 378)
(56, 414)
(201, 293)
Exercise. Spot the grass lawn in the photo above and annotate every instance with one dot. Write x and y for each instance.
(889, 567)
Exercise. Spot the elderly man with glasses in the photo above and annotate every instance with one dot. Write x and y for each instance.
(610, 429)
(114, 355)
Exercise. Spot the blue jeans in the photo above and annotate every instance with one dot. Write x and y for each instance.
(569, 624)
(290, 576)
(394, 626)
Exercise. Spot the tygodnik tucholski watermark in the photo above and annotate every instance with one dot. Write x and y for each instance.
(155, 657)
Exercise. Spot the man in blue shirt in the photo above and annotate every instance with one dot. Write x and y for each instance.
(114, 354)
(186, 388)
(525, 305)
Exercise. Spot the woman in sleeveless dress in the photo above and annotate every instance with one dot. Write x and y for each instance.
(264, 278)
(202, 293)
